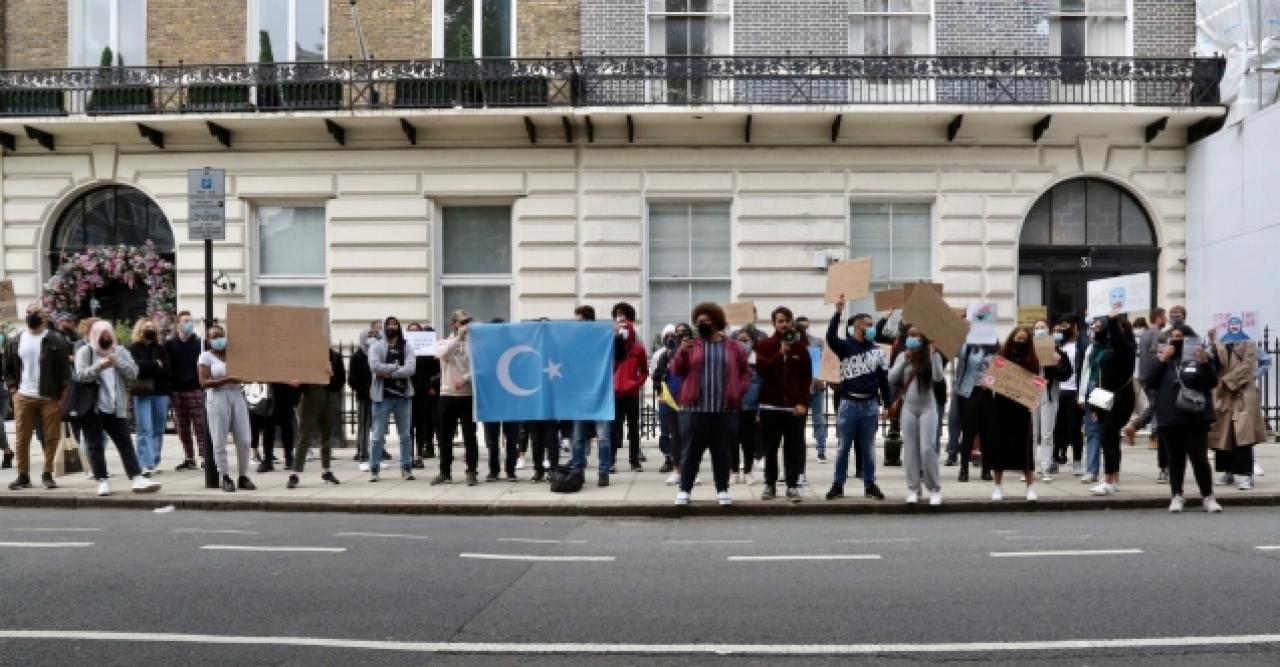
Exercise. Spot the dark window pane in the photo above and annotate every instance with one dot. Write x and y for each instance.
(457, 28)
(698, 36)
(1069, 201)
(161, 233)
(71, 229)
(497, 29)
(1103, 213)
(1135, 227)
(99, 217)
(1038, 228)
(1073, 30)
(677, 36)
(131, 217)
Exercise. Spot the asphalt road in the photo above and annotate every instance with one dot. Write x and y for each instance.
(1133, 588)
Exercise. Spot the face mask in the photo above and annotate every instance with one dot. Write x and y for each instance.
(104, 342)
(393, 332)
(1019, 346)
(1177, 348)
(705, 330)
(1175, 321)
(1058, 336)
(623, 334)
(218, 344)
(1040, 333)
(34, 321)
(913, 342)
(149, 335)
(188, 327)
(669, 343)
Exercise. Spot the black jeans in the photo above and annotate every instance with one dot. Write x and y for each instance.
(976, 413)
(544, 440)
(785, 428)
(282, 417)
(1111, 425)
(455, 412)
(1184, 443)
(494, 432)
(627, 409)
(1237, 461)
(675, 451)
(1069, 429)
(708, 430)
(742, 448)
(118, 429)
(424, 424)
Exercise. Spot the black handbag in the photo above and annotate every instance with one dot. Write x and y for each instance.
(1189, 400)
(566, 480)
(80, 402)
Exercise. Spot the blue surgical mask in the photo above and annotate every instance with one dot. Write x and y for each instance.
(1041, 332)
(1057, 336)
(913, 342)
(188, 327)
(218, 344)
(1175, 321)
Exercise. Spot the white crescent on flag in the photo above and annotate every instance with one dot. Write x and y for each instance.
(504, 371)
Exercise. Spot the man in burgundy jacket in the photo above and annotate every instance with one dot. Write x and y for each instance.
(630, 371)
(786, 374)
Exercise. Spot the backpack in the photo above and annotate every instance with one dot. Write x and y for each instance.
(566, 480)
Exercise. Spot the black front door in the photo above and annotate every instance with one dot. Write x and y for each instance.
(1065, 272)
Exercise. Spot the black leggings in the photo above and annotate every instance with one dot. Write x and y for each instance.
(424, 425)
(743, 446)
(494, 433)
(283, 417)
(1184, 443)
(975, 412)
(785, 428)
(628, 409)
(1068, 430)
(1238, 461)
(118, 429)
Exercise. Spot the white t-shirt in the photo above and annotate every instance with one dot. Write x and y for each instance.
(29, 352)
(217, 370)
(107, 390)
(1069, 351)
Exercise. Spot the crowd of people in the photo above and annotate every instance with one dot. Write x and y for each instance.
(737, 394)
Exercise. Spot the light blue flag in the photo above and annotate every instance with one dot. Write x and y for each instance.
(533, 371)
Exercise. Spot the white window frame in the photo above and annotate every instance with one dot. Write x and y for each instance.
(444, 280)
(251, 32)
(931, 15)
(259, 280)
(477, 35)
(725, 15)
(895, 281)
(1055, 17)
(75, 30)
(646, 278)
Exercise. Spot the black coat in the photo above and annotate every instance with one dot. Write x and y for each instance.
(426, 377)
(339, 377)
(153, 364)
(359, 377)
(1162, 378)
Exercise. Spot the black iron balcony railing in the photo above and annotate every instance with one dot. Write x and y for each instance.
(602, 81)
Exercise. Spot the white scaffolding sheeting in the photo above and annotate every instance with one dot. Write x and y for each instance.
(1247, 32)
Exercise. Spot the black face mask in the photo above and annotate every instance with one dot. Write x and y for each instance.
(705, 330)
(1018, 347)
(34, 320)
(104, 342)
(1177, 349)
(1067, 335)
(149, 335)
(393, 332)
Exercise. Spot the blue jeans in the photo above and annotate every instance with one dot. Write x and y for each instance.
(582, 445)
(402, 408)
(856, 425)
(1092, 443)
(151, 413)
(664, 429)
(817, 408)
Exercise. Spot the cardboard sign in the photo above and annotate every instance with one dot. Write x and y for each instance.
(740, 313)
(908, 288)
(8, 301)
(1029, 315)
(1046, 347)
(1014, 382)
(423, 343)
(890, 299)
(982, 324)
(277, 343)
(1236, 327)
(852, 278)
(926, 310)
(1127, 294)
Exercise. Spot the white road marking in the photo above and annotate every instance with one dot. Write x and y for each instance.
(541, 559)
(709, 541)
(240, 547)
(752, 559)
(1268, 548)
(388, 535)
(55, 530)
(532, 540)
(46, 545)
(1085, 645)
(1082, 552)
(1047, 537)
(879, 540)
(212, 531)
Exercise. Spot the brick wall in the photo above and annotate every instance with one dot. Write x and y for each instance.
(393, 29)
(1164, 28)
(770, 27)
(36, 33)
(613, 26)
(181, 30)
(968, 27)
(547, 26)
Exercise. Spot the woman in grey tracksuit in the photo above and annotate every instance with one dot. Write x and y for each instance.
(914, 372)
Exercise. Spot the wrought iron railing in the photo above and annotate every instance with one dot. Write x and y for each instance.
(592, 81)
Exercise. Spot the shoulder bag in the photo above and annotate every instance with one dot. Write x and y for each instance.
(895, 410)
(1189, 400)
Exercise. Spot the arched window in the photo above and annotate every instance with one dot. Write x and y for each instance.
(1087, 212)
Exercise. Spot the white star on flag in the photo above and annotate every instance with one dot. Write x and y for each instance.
(552, 370)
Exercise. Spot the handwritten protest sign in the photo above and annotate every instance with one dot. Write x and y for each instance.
(1127, 294)
(1029, 315)
(1014, 382)
(1045, 349)
(8, 301)
(1236, 327)
(928, 312)
(743, 312)
(852, 278)
(423, 343)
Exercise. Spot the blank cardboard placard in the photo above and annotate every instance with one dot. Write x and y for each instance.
(890, 299)
(277, 343)
(1045, 349)
(1028, 315)
(1014, 382)
(743, 312)
(8, 301)
(926, 310)
(908, 288)
(852, 278)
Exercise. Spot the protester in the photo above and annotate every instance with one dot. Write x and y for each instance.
(912, 378)
(1183, 431)
(284, 406)
(227, 410)
(321, 403)
(818, 393)
(1010, 446)
(456, 400)
(667, 387)
(4, 410)
(111, 368)
(1044, 418)
(186, 397)
(603, 430)
(392, 364)
(630, 371)
(786, 378)
(715, 378)
(426, 403)
(78, 342)
(1238, 406)
(1092, 428)
(150, 392)
(974, 402)
(359, 379)
(864, 388)
(1111, 361)
(258, 397)
(1148, 340)
(36, 370)
(746, 436)
(67, 326)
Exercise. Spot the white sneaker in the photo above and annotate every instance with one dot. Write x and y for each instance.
(1246, 484)
(724, 498)
(1177, 504)
(1045, 478)
(1211, 505)
(1077, 469)
(1031, 495)
(104, 488)
(364, 467)
(935, 498)
(1257, 470)
(142, 485)
(749, 479)
(697, 481)
(520, 463)
(997, 495)
(674, 479)
(1102, 489)
(1022, 479)
(682, 498)
(803, 481)
(88, 476)
(913, 498)
(1089, 479)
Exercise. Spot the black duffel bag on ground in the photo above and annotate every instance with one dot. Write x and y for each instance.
(566, 480)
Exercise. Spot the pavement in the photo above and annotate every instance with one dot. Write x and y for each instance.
(634, 494)
(107, 587)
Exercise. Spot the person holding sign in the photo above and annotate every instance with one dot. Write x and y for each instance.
(864, 387)
(1056, 368)
(1009, 447)
(1238, 404)
(227, 410)
(1110, 397)
(1183, 427)
(912, 378)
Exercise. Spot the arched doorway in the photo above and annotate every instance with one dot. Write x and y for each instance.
(111, 216)
(1080, 230)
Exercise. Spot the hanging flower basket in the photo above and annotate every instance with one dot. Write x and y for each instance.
(80, 274)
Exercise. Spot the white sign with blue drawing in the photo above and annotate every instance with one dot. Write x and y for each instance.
(1125, 294)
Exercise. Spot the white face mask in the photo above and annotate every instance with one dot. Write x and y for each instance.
(623, 333)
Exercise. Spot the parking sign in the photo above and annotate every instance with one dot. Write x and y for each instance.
(206, 204)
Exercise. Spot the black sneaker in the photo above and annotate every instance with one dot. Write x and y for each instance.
(666, 467)
(246, 484)
(8, 460)
(857, 474)
(386, 456)
(47, 480)
(636, 467)
(265, 467)
(293, 482)
(613, 470)
(822, 458)
(769, 493)
(441, 479)
(491, 477)
(604, 479)
(964, 476)
(228, 485)
(418, 464)
(186, 465)
(951, 460)
(22, 482)
(986, 476)
(511, 477)
(873, 491)
(328, 477)
(837, 491)
(275, 459)
(407, 473)
(472, 479)
(539, 476)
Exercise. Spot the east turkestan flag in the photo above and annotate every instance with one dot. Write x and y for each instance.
(535, 371)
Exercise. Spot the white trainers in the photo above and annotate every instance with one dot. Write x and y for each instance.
(682, 498)
(1257, 470)
(935, 498)
(749, 479)
(1031, 495)
(803, 481)
(520, 463)
(1246, 484)
(364, 467)
(142, 485)
(1177, 504)
(674, 479)
(913, 498)
(1102, 489)
(104, 488)
(1211, 505)
(1089, 479)
(997, 494)
(724, 498)
(1045, 478)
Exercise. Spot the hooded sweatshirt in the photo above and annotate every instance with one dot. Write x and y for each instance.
(631, 366)
(392, 366)
(358, 377)
(113, 392)
(455, 366)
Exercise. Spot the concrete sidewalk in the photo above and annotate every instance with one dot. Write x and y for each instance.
(634, 494)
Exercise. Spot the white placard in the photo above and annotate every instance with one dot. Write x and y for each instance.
(423, 343)
(982, 324)
(1126, 294)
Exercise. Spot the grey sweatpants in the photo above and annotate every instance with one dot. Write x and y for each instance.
(919, 424)
(228, 412)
